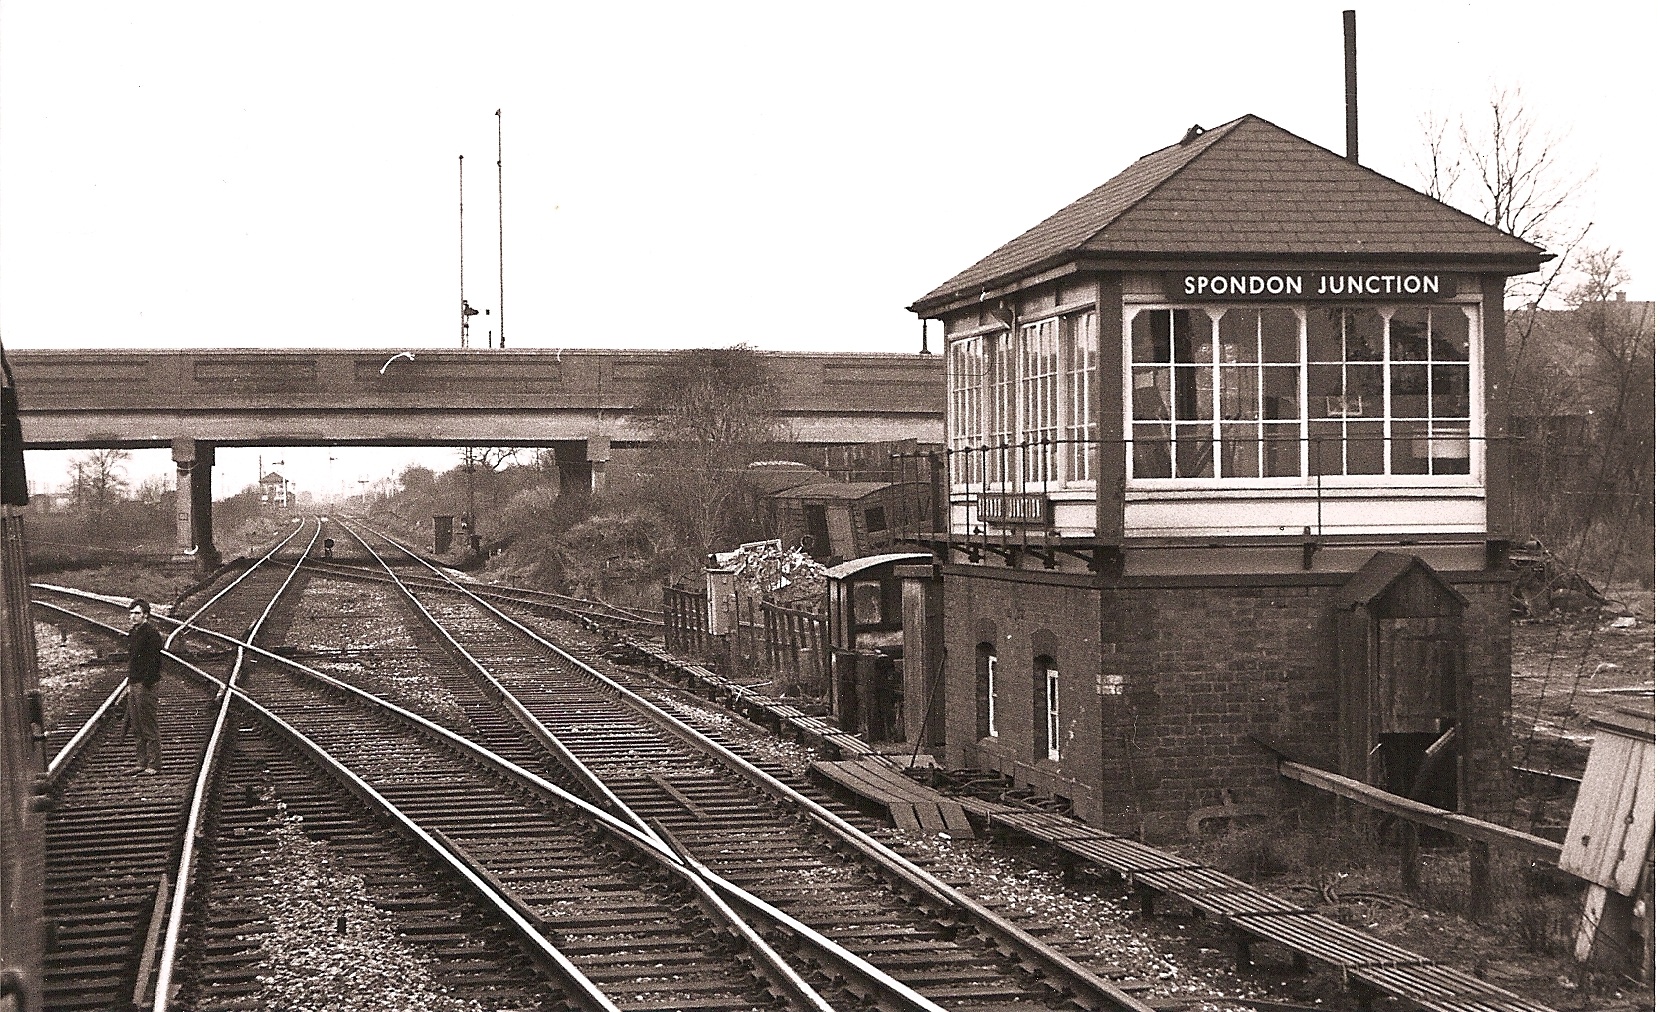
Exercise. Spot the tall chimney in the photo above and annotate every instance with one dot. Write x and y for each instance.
(1351, 87)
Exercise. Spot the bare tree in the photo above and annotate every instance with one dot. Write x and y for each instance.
(711, 412)
(1509, 171)
(1441, 165)
(100, 481)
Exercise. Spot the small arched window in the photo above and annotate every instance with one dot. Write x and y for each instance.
(985, 689)
(1046, 694)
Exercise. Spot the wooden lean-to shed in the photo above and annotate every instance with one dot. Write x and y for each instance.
(1401, 679)
(1610, 841)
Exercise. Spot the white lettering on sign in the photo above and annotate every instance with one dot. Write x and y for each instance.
(1379, 284)
(1013, 507)
(1309, 285)
(1243, 284)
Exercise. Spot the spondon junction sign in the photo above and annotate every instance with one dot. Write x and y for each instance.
(1308, 285)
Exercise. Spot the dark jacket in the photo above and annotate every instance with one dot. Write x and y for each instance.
(144, 654)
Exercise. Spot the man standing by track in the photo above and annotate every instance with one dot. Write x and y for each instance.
(143, 675)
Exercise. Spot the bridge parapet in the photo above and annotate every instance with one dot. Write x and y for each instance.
(135, 398)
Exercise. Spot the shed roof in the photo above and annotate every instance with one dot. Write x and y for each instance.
(1380, 573)
(772, 476)
(1247, 187)
(855, 566)
(835, 490)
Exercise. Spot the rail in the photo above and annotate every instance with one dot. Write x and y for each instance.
(916, 879)
(874, 980)
(589, 997)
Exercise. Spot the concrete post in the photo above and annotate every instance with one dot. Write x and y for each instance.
(599, 452)
(193, 503)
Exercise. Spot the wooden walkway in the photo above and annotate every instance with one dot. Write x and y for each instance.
(1371, 967)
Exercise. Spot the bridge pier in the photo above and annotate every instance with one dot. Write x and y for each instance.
(193, 503)
(582, 465)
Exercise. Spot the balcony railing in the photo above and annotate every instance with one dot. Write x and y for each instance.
(1410, 450)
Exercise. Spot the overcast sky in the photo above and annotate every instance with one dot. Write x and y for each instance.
(684, 174)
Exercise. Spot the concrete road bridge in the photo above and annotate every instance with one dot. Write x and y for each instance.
(579, 402)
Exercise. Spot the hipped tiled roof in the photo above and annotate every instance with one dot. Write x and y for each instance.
(1246, 188)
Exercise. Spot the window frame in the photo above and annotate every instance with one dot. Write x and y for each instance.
(1213, 311)
(1046, 696)
(1013, 402)
(985, 689)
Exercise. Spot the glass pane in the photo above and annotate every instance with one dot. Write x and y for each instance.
(1363, 390)
(1193, 451)
(1193, 394)
(1363, 335)
(1149, 392)
(1409, 447)
(1279, 336)
(1237, 332)
(1409, 378)
(1449, 334)
(1363, 446)
(1449, 449)
(1282, 454)
(1150, 336)
(1409, 334)
(1279, 392)
(1450, 391)
(1325, 334)
(867, 603)
(1239, 450)
(1190, 335)
(1325, 391)
(1325, 447)
(1152, 452)
(1239, 391)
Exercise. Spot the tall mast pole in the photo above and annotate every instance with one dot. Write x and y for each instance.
(461, 232)
(501, 259)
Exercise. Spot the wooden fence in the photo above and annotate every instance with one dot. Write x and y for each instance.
(686, 621)
(786, 646)
(1478, 836)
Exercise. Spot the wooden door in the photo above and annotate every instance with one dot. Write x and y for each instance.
(1417, 674)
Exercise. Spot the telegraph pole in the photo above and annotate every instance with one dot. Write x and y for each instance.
(501, 259)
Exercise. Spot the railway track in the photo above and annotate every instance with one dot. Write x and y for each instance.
(634, 930)
(152, 899)
(750, 826)
(677, 836)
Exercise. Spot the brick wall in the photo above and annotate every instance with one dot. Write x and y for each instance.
(1180, 675)
(1487, 665)
(1202, 669)
(1020, 605)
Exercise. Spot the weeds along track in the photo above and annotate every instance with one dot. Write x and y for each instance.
(799, 855)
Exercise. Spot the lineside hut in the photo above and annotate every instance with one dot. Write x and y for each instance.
(865, 605)
(1185, 414)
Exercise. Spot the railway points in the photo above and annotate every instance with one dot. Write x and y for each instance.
(786, 908)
